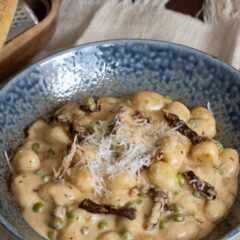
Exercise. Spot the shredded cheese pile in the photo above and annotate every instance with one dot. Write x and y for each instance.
(129, 149)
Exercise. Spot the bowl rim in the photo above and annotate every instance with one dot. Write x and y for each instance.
(6, 84)
(179, 47)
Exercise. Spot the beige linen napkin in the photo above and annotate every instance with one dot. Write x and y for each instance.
(82, 21)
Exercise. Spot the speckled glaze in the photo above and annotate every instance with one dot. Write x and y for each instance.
(117, 68)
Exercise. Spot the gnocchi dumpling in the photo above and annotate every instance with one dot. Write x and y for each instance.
(174, 152)
(130, 225)
(58, 135)
(26, 160)
(148, 101)
(179, 109)
(60, 194)
(71, 231)
(205, 152)
(215, 210)
(203, 122)
(86, 155)
(109, 107)
(183, 231)
(24, 188)
(111, 235)
(206, 173)
(163, 175)
(230, 161)
(122, 181)
(81, 178)
(37, 129)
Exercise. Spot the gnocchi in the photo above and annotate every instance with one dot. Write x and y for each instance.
(60, 194)
(180, 110)
(162, 175)
(215, 210)
(174, 152)
(203, 122)
(23, 186)
(148, 101)
(184, 231)
(205, 152)
(229, 159)
(26, 160)
(58, 135)
(110, 236)
(82, 179)
(122, 181)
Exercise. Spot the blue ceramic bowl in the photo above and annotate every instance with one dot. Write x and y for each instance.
(116, 68)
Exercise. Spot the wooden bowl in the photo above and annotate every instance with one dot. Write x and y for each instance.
(21, 49)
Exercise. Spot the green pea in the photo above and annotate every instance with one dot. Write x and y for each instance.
(176, 192)
(92, 128)
(178, 218)
(181, 179)
(35, 147)
(63, 112)
(90, 103)
(142, 195)
(63, 115)
(52, 234)
(102, 225)
(168, 97)
(85, 230)
(49, 153)
(46, 179)
(56, 223)
(139, 202)
(197, 194)
(130, 205)
(219, 170)
(39, 173)
(219, 146)
(178, 207)
(162, 224)
(127, 235)
(73, 215)
(38, 207)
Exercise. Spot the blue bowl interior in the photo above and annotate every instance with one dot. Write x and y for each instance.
(116, 68)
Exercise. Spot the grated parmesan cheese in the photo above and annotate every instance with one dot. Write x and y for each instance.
(129, 149)
(209, 107)
(8, 161)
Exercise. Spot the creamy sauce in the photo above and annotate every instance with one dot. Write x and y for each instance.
(50, 204)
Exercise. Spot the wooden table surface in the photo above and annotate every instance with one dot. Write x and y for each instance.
(189, 7)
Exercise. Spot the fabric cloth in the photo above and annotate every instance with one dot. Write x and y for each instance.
(82, 21)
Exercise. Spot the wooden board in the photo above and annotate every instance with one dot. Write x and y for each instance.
(7, 10)
(20, 50)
